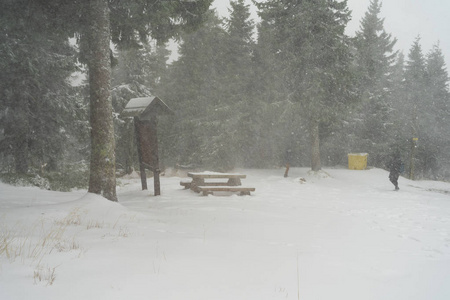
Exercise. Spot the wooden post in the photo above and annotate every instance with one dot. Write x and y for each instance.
(155, 157)
(156, 183)
(411, 158)
(147, 140)
(287, 171)
(143, 177)
(141, 165)
(315, 145)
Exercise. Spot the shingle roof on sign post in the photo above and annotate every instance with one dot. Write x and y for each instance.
(145, 108)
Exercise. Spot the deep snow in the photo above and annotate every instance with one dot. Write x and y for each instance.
(343, 236)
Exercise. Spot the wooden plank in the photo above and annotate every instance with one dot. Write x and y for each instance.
(210, 189)
(196, 182)
(202, 182)
(226, 188)
(206, 175)
(215, 184)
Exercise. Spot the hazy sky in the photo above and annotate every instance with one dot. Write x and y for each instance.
(404, 19)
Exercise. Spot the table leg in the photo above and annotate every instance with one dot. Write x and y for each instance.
(197, 182)
(234, 181)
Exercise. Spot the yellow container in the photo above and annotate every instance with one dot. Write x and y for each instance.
(357, 161)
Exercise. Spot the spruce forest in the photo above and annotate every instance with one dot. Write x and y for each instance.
(292, 87)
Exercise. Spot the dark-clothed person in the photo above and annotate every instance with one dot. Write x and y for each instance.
(395, 168)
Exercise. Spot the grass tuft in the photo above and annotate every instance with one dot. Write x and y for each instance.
(46, 274)
(94, 224)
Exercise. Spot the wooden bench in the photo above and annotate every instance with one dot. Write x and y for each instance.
(208, 190)
(186, 183)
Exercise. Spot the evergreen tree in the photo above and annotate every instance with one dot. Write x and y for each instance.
(398, 101)
(375, 54)
(423, 111)
(102, 178)
(38, 107)
(398, 93)
(276, 119)
(239, 81)
(194, 89)
(96, 23)
(422, 94)
(415, 80)
(142, 65)
(438, 111)
(374, 58)
(239, 46)
(309, 43)
(438, 92)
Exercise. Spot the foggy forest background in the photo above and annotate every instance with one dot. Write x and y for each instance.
(244, 94)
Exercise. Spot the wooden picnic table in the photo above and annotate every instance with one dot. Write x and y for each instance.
(209, 182)
(215, 179)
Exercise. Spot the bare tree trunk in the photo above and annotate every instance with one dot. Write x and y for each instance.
(315, 145)
(102, 168)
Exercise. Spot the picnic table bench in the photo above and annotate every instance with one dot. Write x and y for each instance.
(208, 190)
(186, 183)
(209, 182)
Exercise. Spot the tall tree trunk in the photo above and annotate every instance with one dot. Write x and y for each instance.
(102, 168)
(18, 127)
(315, 145)
(21, 158)
(20, 153)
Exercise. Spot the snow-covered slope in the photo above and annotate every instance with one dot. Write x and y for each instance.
(338, 235)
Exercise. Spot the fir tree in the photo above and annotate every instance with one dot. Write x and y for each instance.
(375, 54)
(38, 106)
(415, 80)
(374, 57)
(194, 89)
(102, 178)
(398, 93)
(438, 115)
(240, 43)
(309, 44)
(438, 92)
(425, 81)
(398, 100)
(239, 80)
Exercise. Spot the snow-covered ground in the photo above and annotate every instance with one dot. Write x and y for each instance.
(343, 236)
